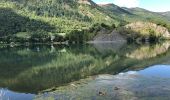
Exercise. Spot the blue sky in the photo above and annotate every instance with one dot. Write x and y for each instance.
(152, 5)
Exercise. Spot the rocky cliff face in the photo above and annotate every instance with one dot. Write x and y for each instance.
(138, 31)
(107, 36)
(148, 28)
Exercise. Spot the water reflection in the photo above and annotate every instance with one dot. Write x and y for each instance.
(146, 84)
(149, 51)
(9, 95)
(157, 71)
(35, 68)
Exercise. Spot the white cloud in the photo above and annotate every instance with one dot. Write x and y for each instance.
(127, 3)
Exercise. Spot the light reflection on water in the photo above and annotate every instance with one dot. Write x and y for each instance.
(6, 94)
(157, 71)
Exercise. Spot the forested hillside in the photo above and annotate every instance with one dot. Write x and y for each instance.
(166, 14)
(62, 20)
(45, 18)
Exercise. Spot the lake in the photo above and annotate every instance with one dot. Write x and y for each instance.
(111, 71)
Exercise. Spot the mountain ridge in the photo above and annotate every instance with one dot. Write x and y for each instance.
(83, 17)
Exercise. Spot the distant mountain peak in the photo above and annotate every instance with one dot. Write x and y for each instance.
(89, 2)
(114, 8)
(107, 4)
(166, 14)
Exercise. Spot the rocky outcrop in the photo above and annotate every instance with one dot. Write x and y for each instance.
(148, 28)
(138, 31)
(104, 36)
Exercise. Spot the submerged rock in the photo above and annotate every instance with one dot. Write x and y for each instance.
(116, 88)
(102, 93)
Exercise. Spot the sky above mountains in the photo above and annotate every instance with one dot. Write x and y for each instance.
(152, 5)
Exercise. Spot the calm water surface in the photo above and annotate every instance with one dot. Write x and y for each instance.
(90, 72)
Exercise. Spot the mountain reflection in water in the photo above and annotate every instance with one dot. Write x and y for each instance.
(29, 70)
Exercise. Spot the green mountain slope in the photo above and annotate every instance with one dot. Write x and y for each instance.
(115, 9)
(60, 20)
(147, 14)
(166, 14)
(71, 9)
(134, 14)
(138, 14)
(62, 16)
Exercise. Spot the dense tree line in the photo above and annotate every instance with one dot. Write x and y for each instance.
(52, 8)
(56, 21)
(16, 28)
(42, 20)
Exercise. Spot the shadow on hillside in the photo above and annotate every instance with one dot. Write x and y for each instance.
(11, 23)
